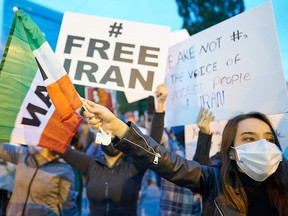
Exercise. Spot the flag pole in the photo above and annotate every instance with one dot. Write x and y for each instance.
(15, 9)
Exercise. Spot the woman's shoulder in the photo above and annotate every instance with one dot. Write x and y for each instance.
(134, 165)
(212, 186)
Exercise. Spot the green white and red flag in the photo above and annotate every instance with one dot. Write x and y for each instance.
(31, 75)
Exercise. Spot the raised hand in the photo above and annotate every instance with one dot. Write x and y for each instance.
(205, 117)
(161, 95)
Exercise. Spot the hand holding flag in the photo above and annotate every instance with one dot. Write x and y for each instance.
(101, 138)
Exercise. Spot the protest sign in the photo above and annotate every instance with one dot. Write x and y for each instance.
(230, 68)
(113, 54)
(174, 37)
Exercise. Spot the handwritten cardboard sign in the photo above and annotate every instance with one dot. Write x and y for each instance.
(230, 68)
(113, 54)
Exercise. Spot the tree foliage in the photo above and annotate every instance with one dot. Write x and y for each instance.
(197, 15)
(200, 14)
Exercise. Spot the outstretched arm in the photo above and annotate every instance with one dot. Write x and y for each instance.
(78, 160)
(143, 149)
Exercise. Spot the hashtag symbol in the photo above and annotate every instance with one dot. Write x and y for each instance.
(236, 35)
(115, 29)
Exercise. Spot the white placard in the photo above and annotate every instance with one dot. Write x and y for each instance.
(174, 37)
(178, 36)
(113, 54)
(230, 68)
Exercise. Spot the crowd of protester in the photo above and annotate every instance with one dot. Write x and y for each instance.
(144, 171)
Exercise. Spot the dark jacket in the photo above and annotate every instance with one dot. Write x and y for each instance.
(112, 191)
(202, 156)
(203, 148)
(204, 180)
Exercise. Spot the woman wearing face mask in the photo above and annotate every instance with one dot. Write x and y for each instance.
(251, 181)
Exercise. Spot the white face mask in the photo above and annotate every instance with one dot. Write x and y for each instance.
(258, 159)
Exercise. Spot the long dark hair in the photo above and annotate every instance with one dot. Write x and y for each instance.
(229, 175)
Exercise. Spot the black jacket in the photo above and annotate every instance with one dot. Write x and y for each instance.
(112, 191)
(204, 180)
(203, 148)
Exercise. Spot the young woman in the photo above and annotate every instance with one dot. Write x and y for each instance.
(114, 180)
(251, 181)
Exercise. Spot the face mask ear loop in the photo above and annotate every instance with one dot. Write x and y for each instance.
(231, 155)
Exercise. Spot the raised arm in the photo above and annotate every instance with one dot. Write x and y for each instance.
(205, 117)
(157, 125)
(78, 160)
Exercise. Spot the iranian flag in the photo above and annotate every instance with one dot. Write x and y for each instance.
(38, 101)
